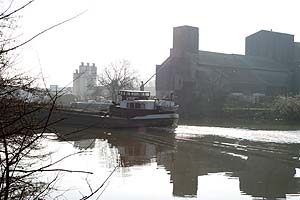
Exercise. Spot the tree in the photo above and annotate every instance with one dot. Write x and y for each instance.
(118, 76)
(286, 108)
(21, 128)
(212, 88)
(23, 121)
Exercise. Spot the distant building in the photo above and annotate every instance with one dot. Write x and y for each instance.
(55, 89)
(85, 81)
(270, 67)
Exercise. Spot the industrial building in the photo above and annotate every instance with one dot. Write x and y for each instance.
(269, 67)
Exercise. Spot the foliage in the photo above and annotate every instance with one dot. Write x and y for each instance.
(118, 76)
(287, 108)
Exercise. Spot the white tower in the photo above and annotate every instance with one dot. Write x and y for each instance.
(85, 80)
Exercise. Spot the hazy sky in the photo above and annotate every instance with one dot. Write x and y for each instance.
(141, 30)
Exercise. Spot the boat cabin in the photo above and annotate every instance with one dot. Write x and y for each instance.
(134, 95)
(135, 99)
(140, 100)
(138, 104)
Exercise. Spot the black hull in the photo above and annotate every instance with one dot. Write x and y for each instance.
(136, 123)
(130, 113)
(86, 120)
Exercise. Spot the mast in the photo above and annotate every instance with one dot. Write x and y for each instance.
(142, 87)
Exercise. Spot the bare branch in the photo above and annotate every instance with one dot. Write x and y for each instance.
(87, 197)
(53, 170)
(3, 16)
(42, 32)
(9, 6)
(117, 76)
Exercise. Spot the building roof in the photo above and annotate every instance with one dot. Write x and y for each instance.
(237, 61)
(261, 32)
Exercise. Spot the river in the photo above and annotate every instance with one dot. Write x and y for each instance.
(189, 162)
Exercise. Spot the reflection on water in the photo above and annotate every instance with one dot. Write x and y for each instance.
(198, 162)
(85, 144)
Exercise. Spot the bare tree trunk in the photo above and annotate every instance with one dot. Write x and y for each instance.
(6, 170)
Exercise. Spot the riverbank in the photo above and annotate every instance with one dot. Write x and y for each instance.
(250, 118)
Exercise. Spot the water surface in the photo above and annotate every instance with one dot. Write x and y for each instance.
(190, 162)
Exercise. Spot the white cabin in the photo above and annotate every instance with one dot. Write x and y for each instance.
(138, 104)
(139, 100)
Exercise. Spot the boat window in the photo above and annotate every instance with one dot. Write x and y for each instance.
(142, 106)
(137, 106)
(131, 105)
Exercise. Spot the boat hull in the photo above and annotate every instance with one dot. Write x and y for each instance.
(85, 120)
(111, 122)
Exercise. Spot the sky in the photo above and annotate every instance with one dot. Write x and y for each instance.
(140, 31)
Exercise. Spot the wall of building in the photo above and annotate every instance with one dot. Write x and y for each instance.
(175, 72)
(186, 39)
(297, 54)
(272, 45)
(85, 80)
(268, 68)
